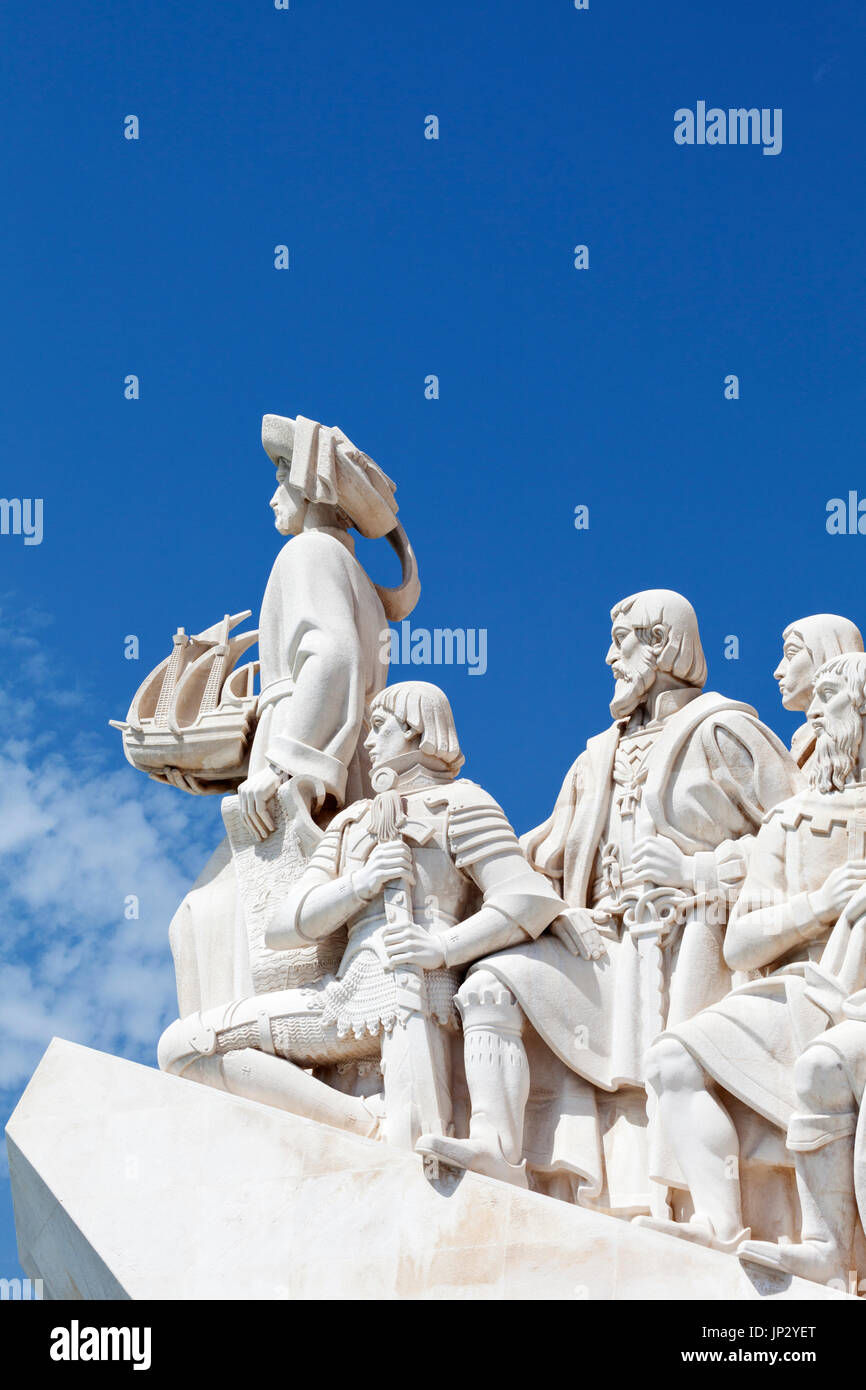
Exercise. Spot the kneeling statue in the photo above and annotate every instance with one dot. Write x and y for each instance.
(426, 876)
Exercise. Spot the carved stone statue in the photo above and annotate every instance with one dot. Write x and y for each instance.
(648, 844)
(806, 645)
(321, 659)
(321, 624)
(589, 1012)
(425, 877)
(801, 915)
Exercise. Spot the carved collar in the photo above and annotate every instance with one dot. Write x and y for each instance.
(417, 778)
(668, 703)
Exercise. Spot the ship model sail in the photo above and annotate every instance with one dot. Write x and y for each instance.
(196, 712)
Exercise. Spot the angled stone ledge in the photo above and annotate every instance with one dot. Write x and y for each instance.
(131, 1184)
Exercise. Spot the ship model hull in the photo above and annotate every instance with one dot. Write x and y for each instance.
(195, 714)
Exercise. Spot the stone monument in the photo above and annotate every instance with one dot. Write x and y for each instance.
(418, 1057)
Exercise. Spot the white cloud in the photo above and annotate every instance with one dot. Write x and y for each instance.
(78, 836)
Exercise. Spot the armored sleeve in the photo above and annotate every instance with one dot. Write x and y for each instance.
(319, 902)
(478, 831)
(326, 856)
(518, 903)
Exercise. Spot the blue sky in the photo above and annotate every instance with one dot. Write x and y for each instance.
(408, 257)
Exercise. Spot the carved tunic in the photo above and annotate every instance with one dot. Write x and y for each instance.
(627, 818)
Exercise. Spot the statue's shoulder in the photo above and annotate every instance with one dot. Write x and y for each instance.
(467, 807)
(712, 711)
(720, 709)
(598, 753)
(312, 549)
(477, 827)
(465, 795)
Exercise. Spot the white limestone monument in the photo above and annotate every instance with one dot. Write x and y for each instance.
(416, 1056)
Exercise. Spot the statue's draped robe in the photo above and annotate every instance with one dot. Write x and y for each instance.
(708, 779)
(321, 652)
(323, 658)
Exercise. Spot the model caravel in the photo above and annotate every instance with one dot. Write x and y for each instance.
(194, 715)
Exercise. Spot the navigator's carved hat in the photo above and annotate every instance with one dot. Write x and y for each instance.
(327, 467)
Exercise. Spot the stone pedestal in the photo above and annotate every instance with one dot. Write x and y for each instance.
(131, 1184)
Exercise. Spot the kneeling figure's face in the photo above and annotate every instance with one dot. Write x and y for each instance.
(388, 738)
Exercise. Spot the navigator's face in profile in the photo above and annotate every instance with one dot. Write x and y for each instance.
(288, 502)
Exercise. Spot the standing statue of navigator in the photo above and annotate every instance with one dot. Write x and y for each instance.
(321, 659)
(321, 622)
(648, 844)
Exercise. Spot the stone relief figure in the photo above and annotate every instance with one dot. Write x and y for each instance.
(427, 876)
(321, 660)
(321, 623)
(801, 917)
(806, 645)
(648, 844)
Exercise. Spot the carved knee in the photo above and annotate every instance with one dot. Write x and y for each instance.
(183, 1042)
(821, 1082)
(485, 1002)
(671, 1067)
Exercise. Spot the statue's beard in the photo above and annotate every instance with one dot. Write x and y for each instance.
(633, 683)
(836, 752)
